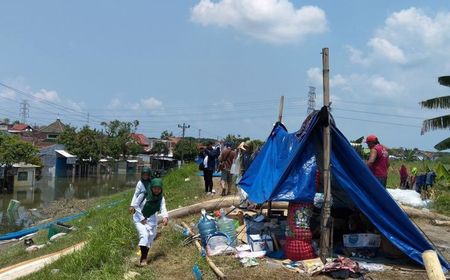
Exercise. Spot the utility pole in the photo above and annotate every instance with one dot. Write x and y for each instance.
(326, 210)
(199, 132)
(24, 111)
(183, 127)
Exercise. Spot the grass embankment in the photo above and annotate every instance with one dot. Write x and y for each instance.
(112, 250)
(111, 236)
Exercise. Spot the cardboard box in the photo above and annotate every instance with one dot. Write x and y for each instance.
(260, 242)
(362, 240)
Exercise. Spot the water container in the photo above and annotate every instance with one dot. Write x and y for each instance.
(197, 272)
(206, 227)
(226, 226)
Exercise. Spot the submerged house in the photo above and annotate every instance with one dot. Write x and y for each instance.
(24, 181)
(57, 161)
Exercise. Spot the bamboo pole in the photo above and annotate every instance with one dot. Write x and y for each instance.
(280, 109)
(211, 264)
(432, 265)
(280, 118)
(30, 266)
(326, 210)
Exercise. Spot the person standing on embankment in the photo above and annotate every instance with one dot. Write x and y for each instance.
(210, 155)
(147, 200)
(378, 161)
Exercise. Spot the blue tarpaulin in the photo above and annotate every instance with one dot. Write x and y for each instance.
(285, 170)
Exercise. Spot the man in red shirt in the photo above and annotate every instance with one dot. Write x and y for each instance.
(378, 161)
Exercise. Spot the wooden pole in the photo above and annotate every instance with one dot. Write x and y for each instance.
(326, 210)
(280, 110)
(280, 118)
(432, 265)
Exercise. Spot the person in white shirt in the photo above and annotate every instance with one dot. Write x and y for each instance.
(146, 202)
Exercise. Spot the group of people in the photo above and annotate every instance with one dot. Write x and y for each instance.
(418, 181)
(230, 161)
(148, 197)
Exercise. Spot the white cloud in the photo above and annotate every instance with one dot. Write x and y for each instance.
(77, 106)
(275, 21)
(315, 77)
(151, 103)
(358, 86)
(114, 103)
(406, 37)
(8, 94)
(383, 48)
(338, 81)
(17, 83)
(356, 56)
(385, 87)
(46, 95)
(146, 104)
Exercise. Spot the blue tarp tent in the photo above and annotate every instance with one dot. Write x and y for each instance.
(285, 170)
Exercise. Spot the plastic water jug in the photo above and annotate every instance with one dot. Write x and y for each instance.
(226, 226)
(197, 272)
(206, 227)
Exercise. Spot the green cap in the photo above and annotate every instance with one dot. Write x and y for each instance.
(157, 182)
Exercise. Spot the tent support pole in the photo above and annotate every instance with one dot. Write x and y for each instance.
(326, 210)
(280, 118)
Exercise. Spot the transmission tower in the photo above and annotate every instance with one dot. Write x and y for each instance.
(24, 110)
(311, 100)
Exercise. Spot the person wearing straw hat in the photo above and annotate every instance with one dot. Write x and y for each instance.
(145, 218)
(378, 161)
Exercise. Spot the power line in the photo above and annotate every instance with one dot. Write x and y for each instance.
(42, 100)
(379, 114)
(380, 122)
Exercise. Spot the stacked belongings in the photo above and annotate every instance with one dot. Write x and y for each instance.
(298, 244)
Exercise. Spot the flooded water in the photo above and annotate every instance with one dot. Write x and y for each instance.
(41, 193)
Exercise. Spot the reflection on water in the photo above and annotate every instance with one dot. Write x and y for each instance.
(48, 189)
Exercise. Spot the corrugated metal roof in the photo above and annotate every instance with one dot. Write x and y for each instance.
(64, 153)
(24, 165)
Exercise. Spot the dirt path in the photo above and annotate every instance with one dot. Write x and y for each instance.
(439, 235)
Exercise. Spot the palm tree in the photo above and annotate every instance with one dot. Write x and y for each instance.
(442, 122)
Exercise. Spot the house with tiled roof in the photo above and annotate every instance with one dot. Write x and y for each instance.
(53, 130)
(142, 140)
(19, 128)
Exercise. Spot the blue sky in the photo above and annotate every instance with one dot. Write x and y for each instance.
(221, 66)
